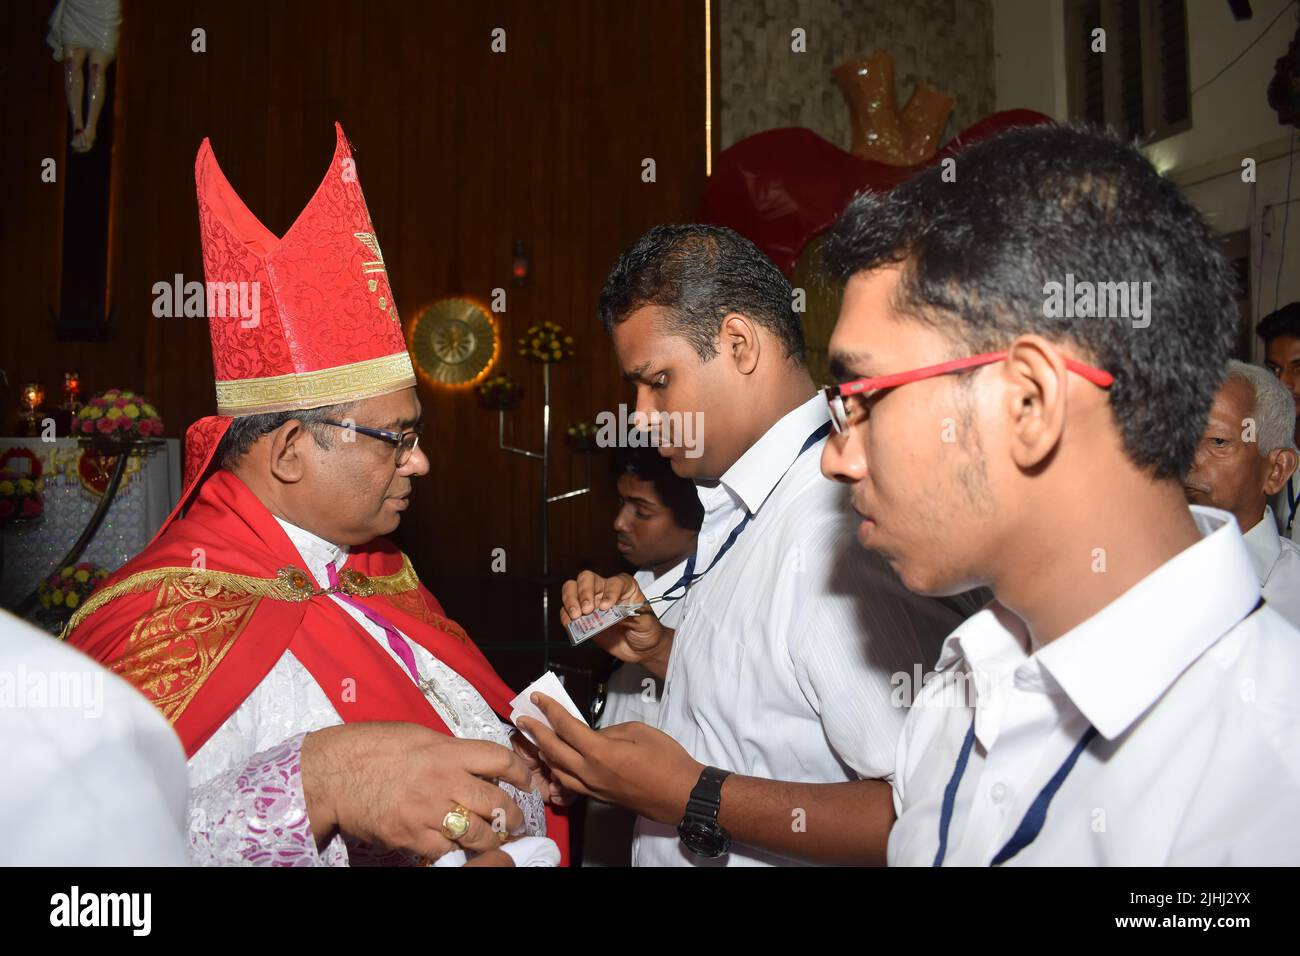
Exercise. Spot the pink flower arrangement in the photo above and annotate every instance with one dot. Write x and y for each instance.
(68, 588)
(119, 412)
(20, 497)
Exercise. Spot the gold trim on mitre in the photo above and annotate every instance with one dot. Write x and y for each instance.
(329, 386)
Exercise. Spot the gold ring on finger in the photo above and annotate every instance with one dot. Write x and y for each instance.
(456, 823)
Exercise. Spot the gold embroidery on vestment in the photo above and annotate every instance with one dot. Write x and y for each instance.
(289, 584)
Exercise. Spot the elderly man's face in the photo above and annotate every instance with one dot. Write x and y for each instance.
(1228, 471)
(353, 491)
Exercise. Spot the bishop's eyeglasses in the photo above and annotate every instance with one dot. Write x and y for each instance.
(403, 442)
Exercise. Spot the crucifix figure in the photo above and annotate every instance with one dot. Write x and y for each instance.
(81, 31)
(429, 687)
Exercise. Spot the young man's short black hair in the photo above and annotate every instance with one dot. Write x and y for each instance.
(1284, 321)
(677, 493)
(1031, 206)
(700, 274)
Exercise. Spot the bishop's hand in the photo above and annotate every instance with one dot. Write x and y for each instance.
(392, 784)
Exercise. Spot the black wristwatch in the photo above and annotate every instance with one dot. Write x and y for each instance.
(699, 830)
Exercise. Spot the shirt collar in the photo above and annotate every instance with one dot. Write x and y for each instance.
(757, 471)
(1263, 545)
(1120, 661)
(991, 641)
(315, 550)
(652, 586)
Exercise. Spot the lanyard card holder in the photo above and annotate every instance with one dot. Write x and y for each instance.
(589, 625)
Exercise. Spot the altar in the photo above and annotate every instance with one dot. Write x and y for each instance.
(71, 489)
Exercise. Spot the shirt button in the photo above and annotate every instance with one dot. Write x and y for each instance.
(998, 792)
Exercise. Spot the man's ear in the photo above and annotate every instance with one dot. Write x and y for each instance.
(1035, 382)
(287, 449)
(1281, 465)
(738, 338)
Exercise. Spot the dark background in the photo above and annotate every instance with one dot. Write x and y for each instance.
(460, 151)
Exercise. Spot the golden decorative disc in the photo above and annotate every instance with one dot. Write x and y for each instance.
(454, 342)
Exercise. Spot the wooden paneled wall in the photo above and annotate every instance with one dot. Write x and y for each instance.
(460, 151)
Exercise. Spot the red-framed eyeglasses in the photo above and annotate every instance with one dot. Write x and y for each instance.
(842, 416)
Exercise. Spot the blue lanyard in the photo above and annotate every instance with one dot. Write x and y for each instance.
(1292, 501)
(689, 577)
(1036, 815)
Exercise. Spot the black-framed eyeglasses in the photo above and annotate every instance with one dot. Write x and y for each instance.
(403, 442)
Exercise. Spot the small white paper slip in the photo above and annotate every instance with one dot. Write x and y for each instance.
(589, 625)
(549, 685)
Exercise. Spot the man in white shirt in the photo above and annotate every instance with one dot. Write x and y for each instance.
(94, 776)
(1280, 331)
(1246, 455)
(658, 517)
(1127, 698)
(778, 706)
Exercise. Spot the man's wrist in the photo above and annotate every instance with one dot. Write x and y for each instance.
(317, 771)
(670, 803)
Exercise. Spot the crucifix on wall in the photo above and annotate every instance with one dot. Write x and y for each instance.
(84, 36)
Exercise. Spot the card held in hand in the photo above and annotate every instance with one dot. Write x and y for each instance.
(589, 625)
(548, 684)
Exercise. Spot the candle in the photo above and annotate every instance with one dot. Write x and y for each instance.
(33, 396)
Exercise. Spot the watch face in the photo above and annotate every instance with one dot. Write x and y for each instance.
(704, 838)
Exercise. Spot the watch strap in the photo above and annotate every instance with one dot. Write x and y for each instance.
(706, 798)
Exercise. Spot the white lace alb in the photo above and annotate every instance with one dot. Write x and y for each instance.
(288, 702)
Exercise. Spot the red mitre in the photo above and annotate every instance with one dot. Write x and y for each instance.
(298, 321)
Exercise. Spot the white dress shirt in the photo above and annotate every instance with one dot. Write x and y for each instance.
(94, 774)
(1277, 563)
(669, 611)
(1197, 760)
(288, 701)
(631, 693)
(784, 651)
